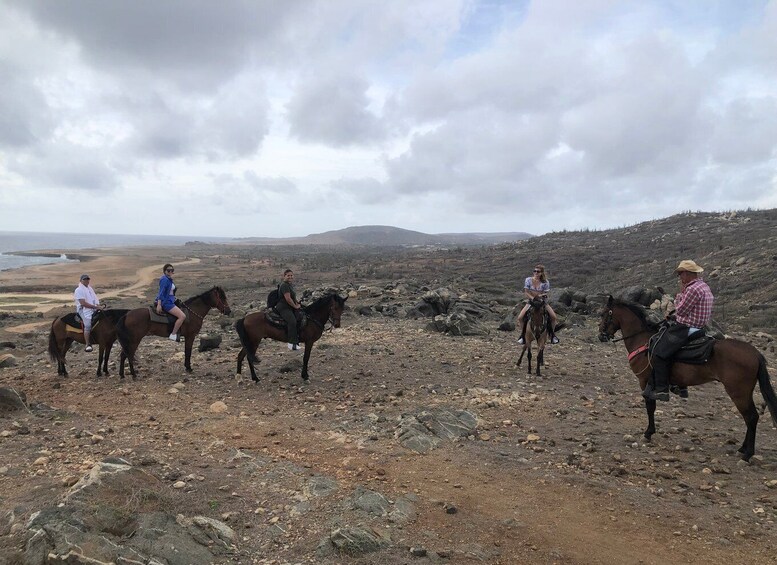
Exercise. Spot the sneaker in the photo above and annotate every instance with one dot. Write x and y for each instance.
(554, 340)
(173, 337)
(88, 348)
(291, 346)
(521, 341)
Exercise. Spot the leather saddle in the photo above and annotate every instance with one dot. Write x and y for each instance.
(696, 352)
(165, 318)
(73, 322)
(276, 320)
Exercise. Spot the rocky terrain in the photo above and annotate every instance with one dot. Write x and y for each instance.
(417, 439)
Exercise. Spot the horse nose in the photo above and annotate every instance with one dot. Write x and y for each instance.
(604, 337)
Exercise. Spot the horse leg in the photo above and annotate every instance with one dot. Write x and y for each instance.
(540, 361)
(107, 356)
(528, 358)
(743, 399)
(187, 359)
(521, 357)
(122, 357)
(101, 350)
(650, 406)
(308, 347)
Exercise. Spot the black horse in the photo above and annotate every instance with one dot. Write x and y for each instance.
(255, 327)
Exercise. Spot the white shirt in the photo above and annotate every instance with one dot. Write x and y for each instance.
(87, 293)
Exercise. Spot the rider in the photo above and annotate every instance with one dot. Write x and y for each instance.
(693, 310)
(165, 300)
(537, 286)
(289, 308)
(86, 304)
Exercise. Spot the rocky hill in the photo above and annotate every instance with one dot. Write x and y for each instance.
(389, 236)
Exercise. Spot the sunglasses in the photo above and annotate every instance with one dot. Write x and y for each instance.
(537, 270)
(170, 271)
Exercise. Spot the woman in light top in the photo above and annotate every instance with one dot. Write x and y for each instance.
(535, 286)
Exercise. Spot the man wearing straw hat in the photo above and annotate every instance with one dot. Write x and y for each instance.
(693, 310)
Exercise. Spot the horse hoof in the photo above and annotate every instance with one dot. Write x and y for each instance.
(746, 457)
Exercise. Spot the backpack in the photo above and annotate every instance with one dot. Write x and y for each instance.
(274, 297)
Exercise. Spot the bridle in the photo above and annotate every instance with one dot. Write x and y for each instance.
(611, 337)
(220, 306)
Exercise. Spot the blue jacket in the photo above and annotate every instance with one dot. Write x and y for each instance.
(166, 296)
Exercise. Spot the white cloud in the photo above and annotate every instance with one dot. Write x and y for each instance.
(481, 110)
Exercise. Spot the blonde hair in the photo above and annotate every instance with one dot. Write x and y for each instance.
(543, 278)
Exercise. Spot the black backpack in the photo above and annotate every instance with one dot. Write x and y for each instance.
(274, 297)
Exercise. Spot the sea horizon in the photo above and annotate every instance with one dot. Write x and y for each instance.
(23, 241)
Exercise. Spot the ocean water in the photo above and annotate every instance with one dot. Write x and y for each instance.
(36, 241)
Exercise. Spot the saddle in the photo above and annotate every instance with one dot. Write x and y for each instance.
(165, 318)
(276, 320)
(73, 323)
(696, 352)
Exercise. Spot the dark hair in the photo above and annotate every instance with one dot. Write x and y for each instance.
(287, 271)
(167, 266)
(543, 276)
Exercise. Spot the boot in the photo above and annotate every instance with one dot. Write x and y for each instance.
(658, 385)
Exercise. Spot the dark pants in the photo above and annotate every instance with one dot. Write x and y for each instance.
(673, 339)
(289, 315)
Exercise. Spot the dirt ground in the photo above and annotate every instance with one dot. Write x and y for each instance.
(557, 470)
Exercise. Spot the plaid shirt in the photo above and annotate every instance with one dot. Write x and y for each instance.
(693, 305)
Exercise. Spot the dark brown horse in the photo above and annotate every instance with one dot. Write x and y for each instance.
(255, 327)
(536, 329)
(137, 324)
(63, 334)
(735, 364)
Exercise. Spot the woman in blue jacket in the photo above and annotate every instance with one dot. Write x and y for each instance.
(165, 300)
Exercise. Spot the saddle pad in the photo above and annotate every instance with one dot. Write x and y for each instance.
(160, 319)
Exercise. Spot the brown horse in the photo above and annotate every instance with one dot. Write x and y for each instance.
(735, 364)
(255, 327)
(537, 329)
(63, 334)
(137, 324)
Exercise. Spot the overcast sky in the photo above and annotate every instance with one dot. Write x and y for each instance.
(284, 118)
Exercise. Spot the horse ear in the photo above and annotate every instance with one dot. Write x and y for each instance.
(609, 301)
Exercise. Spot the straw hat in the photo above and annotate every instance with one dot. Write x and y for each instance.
(688, 265)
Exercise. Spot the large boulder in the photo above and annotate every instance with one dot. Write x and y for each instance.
(424, 431)
(12, 400)
(457, 324)
(116, 514)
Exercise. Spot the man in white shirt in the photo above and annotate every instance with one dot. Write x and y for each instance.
(86, 305)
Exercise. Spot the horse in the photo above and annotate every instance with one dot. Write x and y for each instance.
(137, 324)
(537, 329)
(253, 328)
(734, 363)
(63, 334)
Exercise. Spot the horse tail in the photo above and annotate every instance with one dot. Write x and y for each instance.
(123, 335)
(240, 327)
(53, 349)
(767, 390)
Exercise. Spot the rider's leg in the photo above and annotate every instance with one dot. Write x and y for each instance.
(87, 320)
(522, 323)
(180, 317)
(658, 387)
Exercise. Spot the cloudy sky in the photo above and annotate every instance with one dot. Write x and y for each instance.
(269, 118)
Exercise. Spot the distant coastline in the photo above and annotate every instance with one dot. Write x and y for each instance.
(23, 249)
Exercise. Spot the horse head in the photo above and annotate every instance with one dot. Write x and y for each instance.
(608, 324)
(217, 298)
(336, 307)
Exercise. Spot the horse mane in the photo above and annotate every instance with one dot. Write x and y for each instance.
(323, 301)
(639, 311)
(205, 294)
